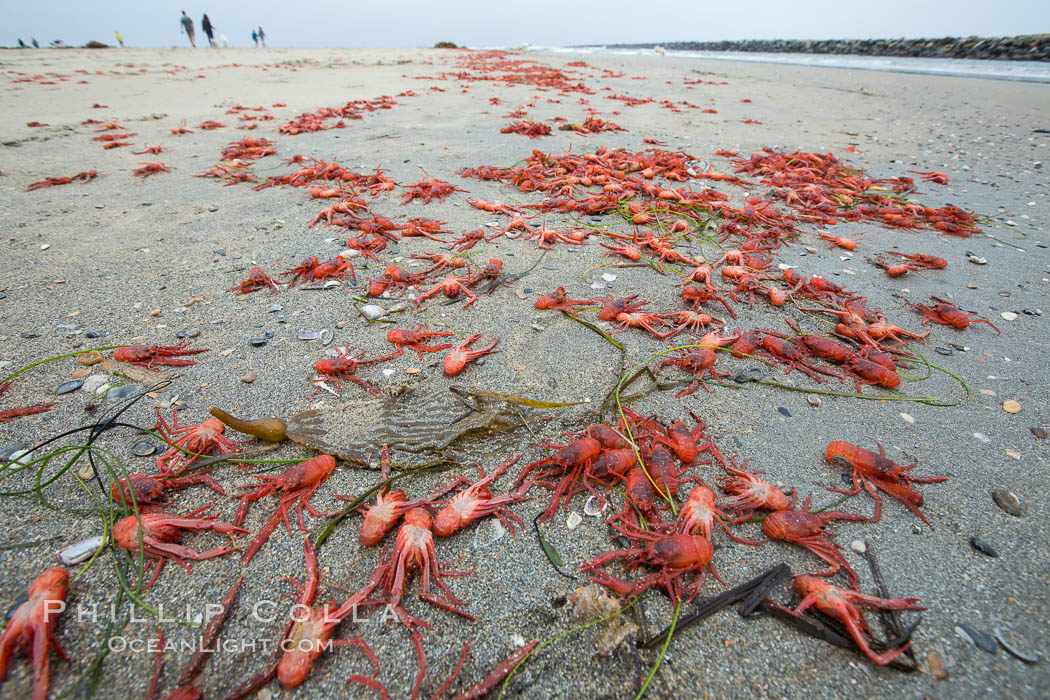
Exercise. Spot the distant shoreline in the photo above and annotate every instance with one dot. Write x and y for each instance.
(1032, 47)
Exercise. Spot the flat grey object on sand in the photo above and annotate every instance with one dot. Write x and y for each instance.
(126, 255)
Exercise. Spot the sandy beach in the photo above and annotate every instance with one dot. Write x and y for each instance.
(124, 260)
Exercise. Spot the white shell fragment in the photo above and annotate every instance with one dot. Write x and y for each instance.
(964, 635)
(16, 459)
(592, 508)
(486, 536)
(372, 311)
(93, 383)
(608, 277)
(573, 520)
(324, 385)
(80, 551)
(1009, 315)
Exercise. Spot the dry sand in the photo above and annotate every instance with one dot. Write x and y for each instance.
(120, 247)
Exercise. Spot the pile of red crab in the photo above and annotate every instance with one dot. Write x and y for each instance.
(318, 121)
(659, 478)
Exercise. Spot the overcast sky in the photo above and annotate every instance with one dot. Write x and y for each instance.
(407, 23)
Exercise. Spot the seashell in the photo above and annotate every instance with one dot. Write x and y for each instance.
(372, 312)
(15, 459)
(1027, 658)
(90, 358)
(121, 392)
(68, 387)
(481, 540)
(143, 448)
(1008, 502)
(593, 509)
(983, 547)
(981, 640)
(80, 551)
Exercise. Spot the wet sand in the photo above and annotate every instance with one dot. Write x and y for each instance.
(125, 257)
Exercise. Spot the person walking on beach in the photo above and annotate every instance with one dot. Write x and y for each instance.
(255, 38)
(208, 30)
(187, 27)
(120, 39)
(262, 37)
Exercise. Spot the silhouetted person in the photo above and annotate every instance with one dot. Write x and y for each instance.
(187, 27)
(255, 38)
(262, 37)
(209, 31)
(35, 45)
(120, 39)
(22, 44)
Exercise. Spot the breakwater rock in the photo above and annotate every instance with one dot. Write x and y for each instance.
(1032, 47)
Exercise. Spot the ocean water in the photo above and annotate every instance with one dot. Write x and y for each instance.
(1027, 71)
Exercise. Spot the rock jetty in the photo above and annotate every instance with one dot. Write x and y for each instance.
(1032, 47)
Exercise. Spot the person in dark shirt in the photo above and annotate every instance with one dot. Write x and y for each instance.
(262, 37)
(209, 31)
(187, 27)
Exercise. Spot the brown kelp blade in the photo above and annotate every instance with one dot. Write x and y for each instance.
(752, 592)
(834, 633)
